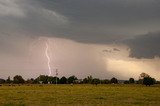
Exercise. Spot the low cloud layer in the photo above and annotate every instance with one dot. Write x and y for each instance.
(144, 46)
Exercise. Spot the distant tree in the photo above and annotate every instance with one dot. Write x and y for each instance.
(30, 81)
(8, 80)
(46, 79)
(18, 79)
(43, 79)
(114, 80)
(131, 80)
(85, 80)
(90, 78)
(50, 79)
(148, 81)
(63, 80)
(96, 81)
(2, 81)
(54, 80)
(140, 81)
(105, 81)
(126, 82)
(141, 78)
(71, 79)
(157, 82)
(142, 75)
(36, 81)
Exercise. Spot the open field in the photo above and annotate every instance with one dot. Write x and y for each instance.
(50, 95)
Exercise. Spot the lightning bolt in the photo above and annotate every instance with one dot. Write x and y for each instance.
(48, 58)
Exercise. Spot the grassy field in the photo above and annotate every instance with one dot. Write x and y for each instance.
(77, 95)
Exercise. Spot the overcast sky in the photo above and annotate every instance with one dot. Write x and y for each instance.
(103, 38)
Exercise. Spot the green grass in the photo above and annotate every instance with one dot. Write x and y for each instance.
(77, 95)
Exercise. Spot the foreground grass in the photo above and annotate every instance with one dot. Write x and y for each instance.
(50, 95)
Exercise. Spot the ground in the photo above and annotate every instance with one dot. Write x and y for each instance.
(77, 95)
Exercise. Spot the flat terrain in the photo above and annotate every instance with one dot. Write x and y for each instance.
(77, 95)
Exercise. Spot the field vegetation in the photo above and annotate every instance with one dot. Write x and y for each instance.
(79, 94)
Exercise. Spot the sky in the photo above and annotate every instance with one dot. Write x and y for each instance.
(102, 38)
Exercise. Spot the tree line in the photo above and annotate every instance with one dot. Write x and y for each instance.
(44, 79)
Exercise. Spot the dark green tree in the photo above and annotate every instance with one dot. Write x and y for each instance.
(54, 80)
(90, 78)
(43, 79)
(131, 80)
(96, 81)
(63, 80)
(30, 81)
(18, 79)
(2, 81)
(105, 81)
(126, 82)
(85, 80)
(71, 79)
(114, 80)
(36, 81)
(157, 82)
(50, 79)
(148, 81)
(8, 80)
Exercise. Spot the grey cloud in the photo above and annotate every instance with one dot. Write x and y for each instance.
(115, 49)
(104, 21)
(86, 21)
(144, 46)
(36, 20)
(89, 21)
(108, 51)
(9, 7)
(111, 50)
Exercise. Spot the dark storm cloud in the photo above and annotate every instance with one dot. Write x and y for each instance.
(144, 46)
(93, 21)
(86, 21)
(90, 20)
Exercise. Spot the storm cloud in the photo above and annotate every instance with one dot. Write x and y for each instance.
(119, 29)
(144, 46)
(86, 21)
